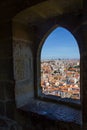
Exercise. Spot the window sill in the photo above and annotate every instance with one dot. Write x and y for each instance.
(64, 101)
(53, 111)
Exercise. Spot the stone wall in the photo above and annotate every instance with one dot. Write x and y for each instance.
(35, 122)
(17, 82)
(23, 63)
(23, 71)
(6, 71)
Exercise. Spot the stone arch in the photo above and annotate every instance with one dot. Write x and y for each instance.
(75, 36)
(41, 31)
(70, 15)
(49, 31)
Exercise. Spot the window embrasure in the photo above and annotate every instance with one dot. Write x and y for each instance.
(60, 67)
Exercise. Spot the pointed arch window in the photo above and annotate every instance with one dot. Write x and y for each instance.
(60, 66)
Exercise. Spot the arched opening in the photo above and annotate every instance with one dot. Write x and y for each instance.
(60, 66)
(26, 88)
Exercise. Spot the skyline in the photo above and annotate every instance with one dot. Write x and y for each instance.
(60, 44)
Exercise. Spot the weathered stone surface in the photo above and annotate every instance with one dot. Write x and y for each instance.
(8, 124)
(70, 15)
(10, 109)
(23, 71)
(56, 112)
(7, 90)
(2, 108)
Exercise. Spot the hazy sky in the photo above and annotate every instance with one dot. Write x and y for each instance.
(60, 44)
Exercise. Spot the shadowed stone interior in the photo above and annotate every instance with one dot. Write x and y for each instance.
(24, 26)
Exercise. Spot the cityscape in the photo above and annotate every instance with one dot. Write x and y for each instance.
(61, 77)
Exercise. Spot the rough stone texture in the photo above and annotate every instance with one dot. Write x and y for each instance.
(54, 111)
(8, 124)
(71, 17)
(23, 71)
(6, 90)
(37, 123)
(2, 108)
(85, 78)
(22, 60)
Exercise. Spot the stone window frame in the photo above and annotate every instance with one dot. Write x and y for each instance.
(50, 98)
(50, 109)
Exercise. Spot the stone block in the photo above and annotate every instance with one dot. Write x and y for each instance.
(6, 47)
(85, 126)
(6, 67)
(5, 30)
(10, 91)
(2, 92)
(2, 108)
(10, 109)
(3, 123)
(7, 90)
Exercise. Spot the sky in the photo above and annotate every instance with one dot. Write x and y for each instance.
(60, 44)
